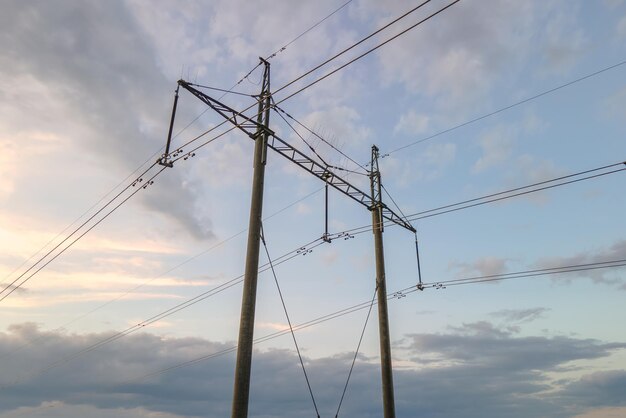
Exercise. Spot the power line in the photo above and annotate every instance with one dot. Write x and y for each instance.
(323, 161)
(229, 91)
(312, 132)
(293, 336)
(334, 57)
(326, 62)
(356, 352)
(249, 73)
(302, 138)
(300, 251)
(366, 53)
(307, 73)
(129, 291)
(13, 286)
(398, 294)
(495, 197)
(495, 112)
(441, 212)
(284, 47)
(138, 180)
(79, 217)
(529, 273)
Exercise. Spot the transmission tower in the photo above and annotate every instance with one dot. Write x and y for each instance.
(258, 130)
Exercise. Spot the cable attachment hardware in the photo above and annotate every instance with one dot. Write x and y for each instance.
(326, 236)
(165, 161)
(420, 286)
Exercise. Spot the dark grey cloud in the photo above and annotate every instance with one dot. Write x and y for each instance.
(520, 315)
(615, 276)
(485, 266)
(598, 389)
(482, 344)
(93, 63)
(483, 372)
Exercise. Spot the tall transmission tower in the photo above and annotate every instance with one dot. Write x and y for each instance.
(258, 130)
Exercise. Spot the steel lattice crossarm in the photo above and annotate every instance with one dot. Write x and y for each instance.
(324, 173)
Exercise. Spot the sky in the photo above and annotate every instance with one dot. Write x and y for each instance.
(86, 93)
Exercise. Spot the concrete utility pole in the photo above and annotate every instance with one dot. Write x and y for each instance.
(241, 392)
(389, 407)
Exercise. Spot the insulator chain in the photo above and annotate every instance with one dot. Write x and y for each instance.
(140, 180)
(345, 235)
(304, 251)
(175, 156)
(189, 155)
(398, 295)
(176, 153)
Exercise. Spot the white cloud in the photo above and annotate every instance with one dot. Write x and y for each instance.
(614, 106)
(412, 123)
(104, 100)
(497, 146)
(534, 170)
(563, 41)
(57, 409)
(615, 412)
(427, 166)
(342, 126)
(485, 266)
(457, 56)
(615, 251)
(621, 27)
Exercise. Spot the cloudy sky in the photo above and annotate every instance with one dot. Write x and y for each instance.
(139, 317)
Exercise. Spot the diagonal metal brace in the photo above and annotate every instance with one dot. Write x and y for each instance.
(241, 121)
(251, 128)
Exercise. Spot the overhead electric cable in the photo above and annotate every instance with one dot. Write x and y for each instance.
(222, 90)
(419, 215)
(15, 287)
(364, 54)
(300, 251)
(293, 335)
(139, 179)
(303, 140)
(80, 217)
(530, 273)
(131, 290)
(506, 194)
(252, 70)
(284, 47)
(394, 202)
(356, 352)
(312, 132)
(398, 294)
(502, 109)
(334, 57)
